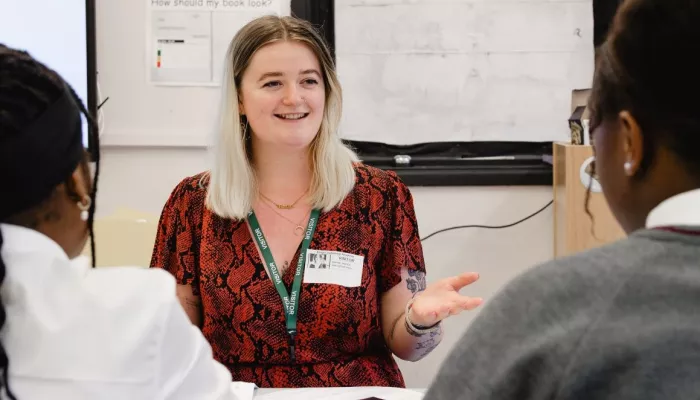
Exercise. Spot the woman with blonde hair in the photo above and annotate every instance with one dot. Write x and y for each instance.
(302, 266)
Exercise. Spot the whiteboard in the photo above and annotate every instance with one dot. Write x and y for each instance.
(417, 71)
(412, 71)
(53, 32)
(139, 113)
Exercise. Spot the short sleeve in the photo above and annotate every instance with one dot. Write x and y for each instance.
(176, 248)
(402, 248)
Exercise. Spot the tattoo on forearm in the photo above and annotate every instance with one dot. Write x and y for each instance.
(415, 281)
(429, 342)
(426, 350)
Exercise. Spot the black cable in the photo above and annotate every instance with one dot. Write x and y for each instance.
(103, 103)
(488, 226)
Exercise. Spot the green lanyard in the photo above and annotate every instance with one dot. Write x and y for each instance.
(289, 301)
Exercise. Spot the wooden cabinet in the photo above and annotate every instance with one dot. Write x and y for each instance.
(574, 230)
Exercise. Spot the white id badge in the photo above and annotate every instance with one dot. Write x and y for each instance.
(333, 267)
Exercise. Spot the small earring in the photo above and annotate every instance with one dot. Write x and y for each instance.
(84, 206)
(628, 167)
(244, 130)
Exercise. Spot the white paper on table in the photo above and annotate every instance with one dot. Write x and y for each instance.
(349, 393)
(243, 390)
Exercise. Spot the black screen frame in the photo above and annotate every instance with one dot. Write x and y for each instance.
(91, 46)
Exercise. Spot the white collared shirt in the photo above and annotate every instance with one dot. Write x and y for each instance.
(680, 210)
(76, 333)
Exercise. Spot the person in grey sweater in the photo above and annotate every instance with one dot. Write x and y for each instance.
(621, 321)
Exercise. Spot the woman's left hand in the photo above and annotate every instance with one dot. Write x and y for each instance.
(442, 299)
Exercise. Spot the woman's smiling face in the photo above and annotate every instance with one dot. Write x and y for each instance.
(282, 95)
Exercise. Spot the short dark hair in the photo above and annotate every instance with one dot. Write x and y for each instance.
(603, 14)
(647, 66)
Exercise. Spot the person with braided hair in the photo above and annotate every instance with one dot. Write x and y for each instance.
(70, 332)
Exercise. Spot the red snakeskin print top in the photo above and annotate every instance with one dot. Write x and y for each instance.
(339, 339)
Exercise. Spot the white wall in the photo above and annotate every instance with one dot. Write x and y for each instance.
(142, 178)
(497, 255)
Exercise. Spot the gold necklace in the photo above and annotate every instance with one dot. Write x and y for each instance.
(298, 229)
(283, 206)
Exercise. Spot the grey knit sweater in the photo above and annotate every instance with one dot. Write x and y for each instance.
(618, 322)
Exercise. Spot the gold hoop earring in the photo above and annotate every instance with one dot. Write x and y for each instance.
(84, 206)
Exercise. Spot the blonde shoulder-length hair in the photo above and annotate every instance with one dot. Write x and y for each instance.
(232, 186)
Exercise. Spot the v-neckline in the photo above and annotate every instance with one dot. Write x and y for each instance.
(261, 260)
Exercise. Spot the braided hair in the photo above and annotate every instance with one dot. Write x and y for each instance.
(27, 89)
